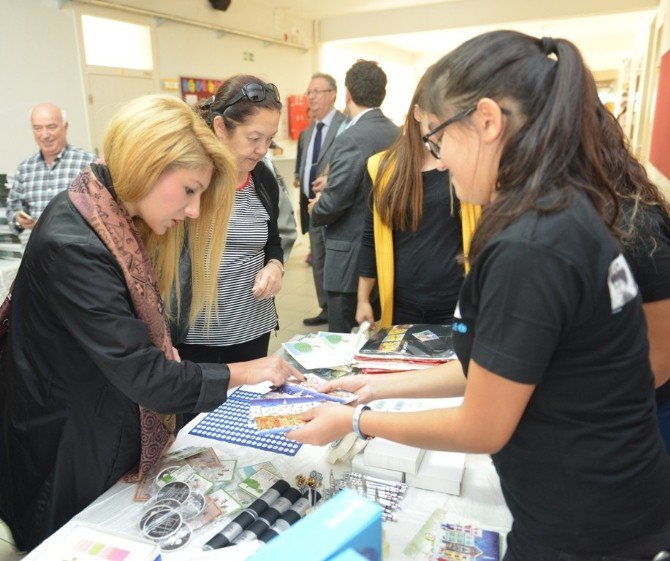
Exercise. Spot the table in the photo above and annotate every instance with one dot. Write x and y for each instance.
(480, 502)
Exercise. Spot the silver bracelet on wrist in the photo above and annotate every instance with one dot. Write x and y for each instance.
(357, 419)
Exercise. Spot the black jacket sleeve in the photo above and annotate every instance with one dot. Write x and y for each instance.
(268, 191)
(368, 263)
(88, 291)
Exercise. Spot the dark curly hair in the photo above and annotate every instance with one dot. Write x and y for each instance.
(366, 82)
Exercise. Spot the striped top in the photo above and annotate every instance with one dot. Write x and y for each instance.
(240, 318)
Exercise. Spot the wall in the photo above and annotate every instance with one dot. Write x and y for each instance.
(662, 25)
(41, 60)
(211, 57)
(337, 58)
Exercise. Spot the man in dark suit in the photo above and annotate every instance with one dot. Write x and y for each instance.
(341, 206)
(317, 140)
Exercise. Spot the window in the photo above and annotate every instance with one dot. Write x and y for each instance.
(115, 43)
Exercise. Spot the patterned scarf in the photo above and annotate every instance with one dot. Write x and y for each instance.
(93, 196)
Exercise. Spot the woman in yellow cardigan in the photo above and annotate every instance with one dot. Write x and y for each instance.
(412, 241)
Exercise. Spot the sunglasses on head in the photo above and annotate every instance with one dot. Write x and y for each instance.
(252, 91)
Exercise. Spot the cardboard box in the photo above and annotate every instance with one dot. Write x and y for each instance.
(358, 465)
(348, 555)
(386, 454)
(439, 471)
(346, 521)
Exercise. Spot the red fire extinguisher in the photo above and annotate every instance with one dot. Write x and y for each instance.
(297, 115)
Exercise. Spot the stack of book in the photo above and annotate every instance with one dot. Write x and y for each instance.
(406, 347)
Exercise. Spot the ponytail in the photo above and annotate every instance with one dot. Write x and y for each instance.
(555, 148)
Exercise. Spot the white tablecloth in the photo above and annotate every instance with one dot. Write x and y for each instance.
(480, 502)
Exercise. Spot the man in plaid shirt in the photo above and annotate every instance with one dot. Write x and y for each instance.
(46, 173)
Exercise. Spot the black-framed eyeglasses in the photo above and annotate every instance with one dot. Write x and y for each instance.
(434, 147)
(252, 91)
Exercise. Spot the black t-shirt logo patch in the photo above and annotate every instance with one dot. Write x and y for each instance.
(621, 283)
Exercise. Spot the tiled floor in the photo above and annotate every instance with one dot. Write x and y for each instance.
(296, 301)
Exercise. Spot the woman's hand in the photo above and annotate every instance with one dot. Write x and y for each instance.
(268, 281)
(324, 424)
(364, 312)
(360, 384)
(271, 369)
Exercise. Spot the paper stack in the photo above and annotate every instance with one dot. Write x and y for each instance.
(406, 347)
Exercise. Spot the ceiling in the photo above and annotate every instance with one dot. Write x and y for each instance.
(323, 9)
(605, 40)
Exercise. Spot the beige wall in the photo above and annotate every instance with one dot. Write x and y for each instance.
(40, 58)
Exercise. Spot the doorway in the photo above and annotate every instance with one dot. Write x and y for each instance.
(107, 93)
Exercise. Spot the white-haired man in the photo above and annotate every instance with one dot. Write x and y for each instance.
(44, 174)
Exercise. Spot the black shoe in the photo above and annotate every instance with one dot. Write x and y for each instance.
(321, 319)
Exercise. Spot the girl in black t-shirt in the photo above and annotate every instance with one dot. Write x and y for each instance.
(645, 239)
(549, 327)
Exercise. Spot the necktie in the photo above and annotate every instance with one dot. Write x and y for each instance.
(315, 158)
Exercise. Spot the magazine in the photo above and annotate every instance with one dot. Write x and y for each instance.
(315, 353)
(312, 388)
(271, 416)
(410, 342)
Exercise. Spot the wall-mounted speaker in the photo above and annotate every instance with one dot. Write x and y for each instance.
(220, 4)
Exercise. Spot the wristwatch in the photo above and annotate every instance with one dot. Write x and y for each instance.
(357, 419)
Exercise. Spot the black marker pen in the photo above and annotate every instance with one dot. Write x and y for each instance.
(247, 516)
(269, 517)
(291, 516)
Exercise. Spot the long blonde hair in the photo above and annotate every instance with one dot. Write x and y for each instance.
(155, 134)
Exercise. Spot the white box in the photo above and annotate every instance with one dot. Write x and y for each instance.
(358, 465)
(439, 471)
(386, 454)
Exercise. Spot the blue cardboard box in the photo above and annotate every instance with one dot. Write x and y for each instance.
(348, 555)
(345, 521)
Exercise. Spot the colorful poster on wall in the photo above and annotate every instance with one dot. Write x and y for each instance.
(196, 90)
(659, 154)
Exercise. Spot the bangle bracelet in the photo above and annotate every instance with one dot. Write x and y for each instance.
(278, 264)
(357, 420)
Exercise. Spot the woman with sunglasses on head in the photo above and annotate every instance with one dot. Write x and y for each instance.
(244, 115)
(89, 379)
(559, 384)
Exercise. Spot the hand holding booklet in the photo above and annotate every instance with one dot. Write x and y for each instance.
(281, 409)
